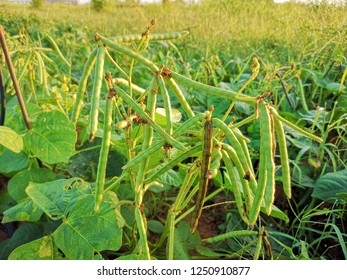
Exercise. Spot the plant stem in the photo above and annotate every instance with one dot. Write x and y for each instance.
(14, 78)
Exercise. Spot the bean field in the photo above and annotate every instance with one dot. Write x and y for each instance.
(173, 131)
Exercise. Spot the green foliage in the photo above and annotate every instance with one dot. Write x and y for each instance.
(99, 5)
(37, 3)
(153, 165)
(10, 139)
(52, 138)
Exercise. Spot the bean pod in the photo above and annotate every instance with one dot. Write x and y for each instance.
(98, 78)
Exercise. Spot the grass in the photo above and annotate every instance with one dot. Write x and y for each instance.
(235, 27)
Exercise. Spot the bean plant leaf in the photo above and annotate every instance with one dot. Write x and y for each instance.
(52, 138)
(10, 139)
(39, 249)
(329, 186)
(85, 233)
(6, 201)
(24, 234)
(27, 211)
(185, 241)
(11, 162)
(18, 183)
(155, 226)
(58, 197)
(276, 213)
(133, 257)
(85, 163)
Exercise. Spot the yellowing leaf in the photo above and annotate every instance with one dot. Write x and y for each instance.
(10, 139)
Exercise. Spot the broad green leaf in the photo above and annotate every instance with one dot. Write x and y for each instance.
(52, 138)
(19, 182)
(176, 116)
(112, 199)
(6, 201)
(171, 178)
(39, 249)
(11, 163)
(25, 211)
(207, 252)
(180, 248)
(85, 163)
(334, 87)
(329, 186)
(276, 213)
(56, 198)
(10, 139)
(24, 234)
(85, 233)
(184, 241)
(220, 105)
(155, 226)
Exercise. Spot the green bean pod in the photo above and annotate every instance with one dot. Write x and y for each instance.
(147, 140)
(167, 104)
(124, 50)
(179, 95)
(142, 229)
(231, 234)
(124, 82)
(151, 37)
(235, 189)
(205, 173)
(269, 196)
(295, 127)
(265, 151)
(82, 84)
(105, 146)
(57, 49)
(127, 99)
(281, 137)
(212, 90)
(241, 150)
(95, 100)
(242, 173)
(215, 160)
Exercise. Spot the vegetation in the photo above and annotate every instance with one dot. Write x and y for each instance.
(227, 142)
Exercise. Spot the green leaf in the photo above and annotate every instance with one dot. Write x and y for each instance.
(276, 213)
(85, 163)
(58, 197)
(329, 186)
(185, 241)
(155, 226)
(6, 201)
(132, 257)
(19, 182)
(171, 178)
(207, 252)
(11, 163)
(334, 87)
(24, 211)
(85, 233)
(25, 233)
(10, 139)
(40, 249)
(52, 138)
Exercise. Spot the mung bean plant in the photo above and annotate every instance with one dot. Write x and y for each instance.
(197, 156)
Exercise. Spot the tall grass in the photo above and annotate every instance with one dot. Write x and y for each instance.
(231, 26)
